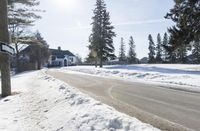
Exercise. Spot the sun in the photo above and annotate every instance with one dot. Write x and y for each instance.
(65, 4)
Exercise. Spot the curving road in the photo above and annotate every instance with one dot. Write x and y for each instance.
(164, 108)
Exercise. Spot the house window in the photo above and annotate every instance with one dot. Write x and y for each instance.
(71, 59)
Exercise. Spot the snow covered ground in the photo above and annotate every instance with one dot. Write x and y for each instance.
(40, 102)
(178, 76)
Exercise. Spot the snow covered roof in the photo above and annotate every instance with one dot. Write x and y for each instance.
(61, 53)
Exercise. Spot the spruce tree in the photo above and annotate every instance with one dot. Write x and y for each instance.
(132, 54)
(159, 49)
(122, 55)
(171, 54)
(101, 39)
(164, 45)
(196, 52)
(108, 49)
(151, 50)
(182, 54)
(185, 14)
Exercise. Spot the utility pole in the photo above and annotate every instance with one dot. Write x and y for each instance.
(4, 57)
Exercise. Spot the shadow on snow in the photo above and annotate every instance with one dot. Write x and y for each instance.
(154, 69)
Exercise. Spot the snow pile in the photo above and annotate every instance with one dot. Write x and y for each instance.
(187, 77)
(40, 102)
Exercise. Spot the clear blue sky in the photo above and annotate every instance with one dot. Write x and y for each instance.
(66, 23)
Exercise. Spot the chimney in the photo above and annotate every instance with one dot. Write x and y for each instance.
(59, 48)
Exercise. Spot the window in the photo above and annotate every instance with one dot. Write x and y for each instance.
(71, 59)
(53, 57)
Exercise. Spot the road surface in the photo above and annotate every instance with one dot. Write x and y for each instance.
(153, 104)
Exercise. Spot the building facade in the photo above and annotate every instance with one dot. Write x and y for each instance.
(61, 58)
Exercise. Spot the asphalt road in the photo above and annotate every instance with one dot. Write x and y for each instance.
(164, 108)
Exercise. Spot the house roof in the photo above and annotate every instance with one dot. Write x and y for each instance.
(25, 50)
(56, 52)
(61, 53)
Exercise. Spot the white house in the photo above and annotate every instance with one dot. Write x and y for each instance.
(61, 58)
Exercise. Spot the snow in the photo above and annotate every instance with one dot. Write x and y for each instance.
(40, 102)
(176, 76)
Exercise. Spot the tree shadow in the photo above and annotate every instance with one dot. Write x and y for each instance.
(155, 69)
(6, 98)
(1, 97)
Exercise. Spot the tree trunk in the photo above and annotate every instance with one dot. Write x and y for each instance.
(96, 59)
(5, 75)
(39, 58)
(101, 59)
(38, 64)
(101, 62)
(4, 58)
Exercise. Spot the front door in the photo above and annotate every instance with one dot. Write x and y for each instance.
(65, 63)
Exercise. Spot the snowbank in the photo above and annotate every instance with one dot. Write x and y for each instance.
(40, 102)
(184, 77)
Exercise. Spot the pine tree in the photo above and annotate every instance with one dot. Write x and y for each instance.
(21, 15)
(101, 39)
(196, 52)
(132, 54)
(164, 45)
(159, 49)
(122, 55)
(151, 50)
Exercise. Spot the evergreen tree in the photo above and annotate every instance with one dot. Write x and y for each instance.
(151, 50)
(182, 54)
(171, 54)
(21, 15)
(159, 49)
(122, 56)
(185, 14)
(101, 39)
(164, 45)
(196, 52)
(108, 34)
(132, 54)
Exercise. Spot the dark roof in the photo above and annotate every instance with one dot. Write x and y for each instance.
(60, 53)
(25, 50)
(56, 52)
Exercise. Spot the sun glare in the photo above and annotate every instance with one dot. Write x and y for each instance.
(65, 4)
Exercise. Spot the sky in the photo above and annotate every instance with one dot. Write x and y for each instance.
(67, 23)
